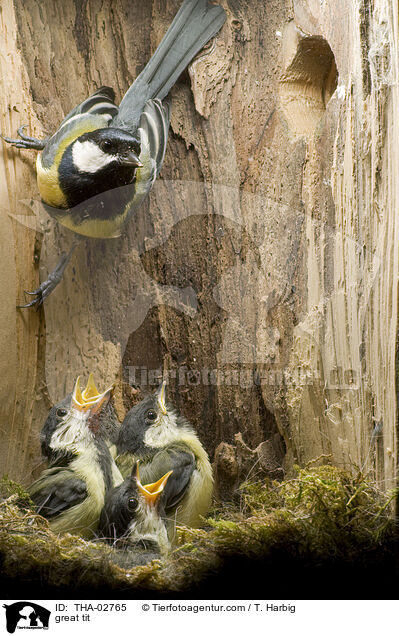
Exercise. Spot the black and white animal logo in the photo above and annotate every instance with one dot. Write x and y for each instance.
(26, 615)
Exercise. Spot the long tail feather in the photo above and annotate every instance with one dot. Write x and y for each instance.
(196, 22)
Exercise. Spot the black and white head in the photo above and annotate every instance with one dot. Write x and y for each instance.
(150, 424)
(97, 161)
(133, 512)
(105, 417)
(76, 424)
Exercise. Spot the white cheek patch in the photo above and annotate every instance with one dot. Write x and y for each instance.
(88, 157)
(166, 431)
(73, 431)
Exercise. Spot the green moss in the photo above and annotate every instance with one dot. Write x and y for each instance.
(323, 513)
(10, 488)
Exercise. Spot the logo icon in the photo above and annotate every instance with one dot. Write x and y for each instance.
(26, 615)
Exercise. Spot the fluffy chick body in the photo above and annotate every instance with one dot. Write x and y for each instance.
(71, 491)
(168, 443)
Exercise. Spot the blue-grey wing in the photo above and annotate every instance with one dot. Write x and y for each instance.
(153, 136)
(102, 102)
(56, 491)
(181, 461)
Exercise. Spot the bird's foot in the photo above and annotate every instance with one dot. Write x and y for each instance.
(44, 290)
(29, 143)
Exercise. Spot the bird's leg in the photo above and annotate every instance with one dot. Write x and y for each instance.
(47, 286)
(25, 142)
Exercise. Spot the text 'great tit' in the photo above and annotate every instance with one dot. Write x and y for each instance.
(71, 491)
(95, 171)
(132, 519)
(164, 441)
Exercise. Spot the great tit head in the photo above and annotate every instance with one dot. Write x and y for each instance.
(98, 161)
(150, 423)
(105, 148)
(81, 421)
(104, 416)
(133, 509)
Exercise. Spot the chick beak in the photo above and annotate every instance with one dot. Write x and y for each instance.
(89, 400)
(130, 159)
(161, 398)
(152, 492)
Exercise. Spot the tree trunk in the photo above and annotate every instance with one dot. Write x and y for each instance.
(262, 271)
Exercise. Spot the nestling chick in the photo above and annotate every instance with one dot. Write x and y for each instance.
(107, 418)
(70, 493)
(164, 441)
(132, 520)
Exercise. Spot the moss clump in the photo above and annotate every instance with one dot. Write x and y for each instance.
(14, 492)
(324, 517)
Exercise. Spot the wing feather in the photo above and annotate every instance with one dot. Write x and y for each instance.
(57, 490)
(181, 461)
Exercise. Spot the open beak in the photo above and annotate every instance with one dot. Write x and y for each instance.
(89, 399)
(130, 159)
(152, 492)
(161, 398)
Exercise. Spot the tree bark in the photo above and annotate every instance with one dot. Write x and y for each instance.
(261, 272)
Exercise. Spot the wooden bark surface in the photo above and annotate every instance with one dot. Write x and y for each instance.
(267, 249)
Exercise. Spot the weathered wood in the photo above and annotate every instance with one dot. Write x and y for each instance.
(267, 249)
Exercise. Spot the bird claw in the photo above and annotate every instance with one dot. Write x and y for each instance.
(44, 290)
(41, 293)
(24, 141)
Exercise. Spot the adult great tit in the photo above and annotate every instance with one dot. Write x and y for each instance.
(95, 171)
(70, 493)
(164, 441)
(132, 519)
(107, 421)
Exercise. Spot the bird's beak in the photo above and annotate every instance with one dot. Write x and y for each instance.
(161, 398)
(151, 492)
(89, 399)
(130, 159)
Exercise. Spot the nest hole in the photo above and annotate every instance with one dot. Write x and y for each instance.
(308, 82)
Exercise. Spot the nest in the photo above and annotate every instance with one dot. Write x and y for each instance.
(324, 523)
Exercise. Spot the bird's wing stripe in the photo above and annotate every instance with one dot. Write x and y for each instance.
(102, 109)
(153, 133)
(154, 123)
(104, 94)
(164, 113)
(95, 99)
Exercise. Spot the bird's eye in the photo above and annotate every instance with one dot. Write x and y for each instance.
(61, 412)
(132, 504)
(106, 145)
(151, 415)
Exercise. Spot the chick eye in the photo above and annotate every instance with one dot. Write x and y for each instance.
(132, 504)
(61, 412)
(106, 145)
(151, 415)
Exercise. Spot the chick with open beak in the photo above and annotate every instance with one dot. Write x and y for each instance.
(133, 519)
(164, 441)
(106, 420)
(70, 492)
